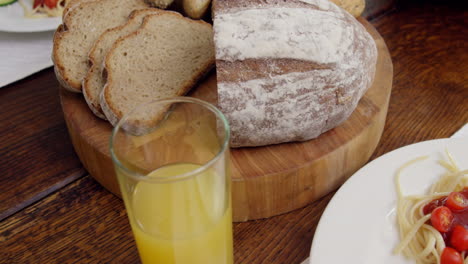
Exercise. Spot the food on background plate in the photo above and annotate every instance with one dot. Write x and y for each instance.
(94, 80)
(433, 227)
(43, 8)
(289, 70)
(81, 27)
(165, 57)
(6, 2)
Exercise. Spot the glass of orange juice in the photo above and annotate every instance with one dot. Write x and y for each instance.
(171, 158)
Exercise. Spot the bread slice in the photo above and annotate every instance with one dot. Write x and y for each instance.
(82, 25)
(160, 3)
(195, 8)
(72, 4)
(94, 81)
(164, 58)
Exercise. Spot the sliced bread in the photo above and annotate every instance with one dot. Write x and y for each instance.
(94, 81)
(70, 4)
(82, 25)
(165, 57)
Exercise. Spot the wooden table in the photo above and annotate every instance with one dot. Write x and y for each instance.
(52, 211)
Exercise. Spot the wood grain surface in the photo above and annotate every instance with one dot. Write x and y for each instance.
(83, 223)
(268, 180)
(33, 134)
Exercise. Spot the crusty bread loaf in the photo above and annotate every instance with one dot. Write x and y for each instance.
(82, 25)
(354, 7)
(195, 8)
(160, 3)
(165, 57)
(94, 80)
(289, 70)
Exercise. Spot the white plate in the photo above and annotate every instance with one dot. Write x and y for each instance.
(359, 224)
(12, 20)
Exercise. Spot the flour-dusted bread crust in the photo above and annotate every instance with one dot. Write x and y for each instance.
(165, 57)
(82, 25)
(289, 70)
(94, 80)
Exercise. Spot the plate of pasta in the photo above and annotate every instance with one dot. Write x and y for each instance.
(409, 206)
(30, 15)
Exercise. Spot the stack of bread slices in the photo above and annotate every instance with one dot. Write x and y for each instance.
(104, 47)
(286, 70)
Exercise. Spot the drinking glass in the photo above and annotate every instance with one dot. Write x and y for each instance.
(171, 158)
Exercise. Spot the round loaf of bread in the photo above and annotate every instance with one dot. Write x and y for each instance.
(289, 70)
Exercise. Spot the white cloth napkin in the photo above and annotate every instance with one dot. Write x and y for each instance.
(22, 54)
(461, 133)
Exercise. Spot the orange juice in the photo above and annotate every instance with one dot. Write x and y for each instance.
(185, 221)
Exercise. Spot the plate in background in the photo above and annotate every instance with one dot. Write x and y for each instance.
(12, 20)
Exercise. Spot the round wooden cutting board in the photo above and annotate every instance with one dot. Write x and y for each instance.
(268, 180)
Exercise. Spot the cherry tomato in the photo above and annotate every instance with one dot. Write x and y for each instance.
(51, 3)
(456, 201)
(450, 256)
(38, 3)
(442, 218)
(434, 204)
(459, 238)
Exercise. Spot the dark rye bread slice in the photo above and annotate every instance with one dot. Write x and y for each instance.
(82, 25)
(165, 57)
(288, 70)
(94, 80)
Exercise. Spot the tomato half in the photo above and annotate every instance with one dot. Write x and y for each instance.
(450, 256)
(456, 201)
(51, 3)
(38, 3)
(459, 238)
(442, 218)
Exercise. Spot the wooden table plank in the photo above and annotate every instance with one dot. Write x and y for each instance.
(36, 155)
(84, 223)
(430, 86)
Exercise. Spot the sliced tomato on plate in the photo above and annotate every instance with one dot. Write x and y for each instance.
(459, 238)
(38, 3)
(51, 3)
(450, 256)
(442, 218)
(456, 201)
(48, 3)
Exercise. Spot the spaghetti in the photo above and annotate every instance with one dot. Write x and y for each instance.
(420, 240)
